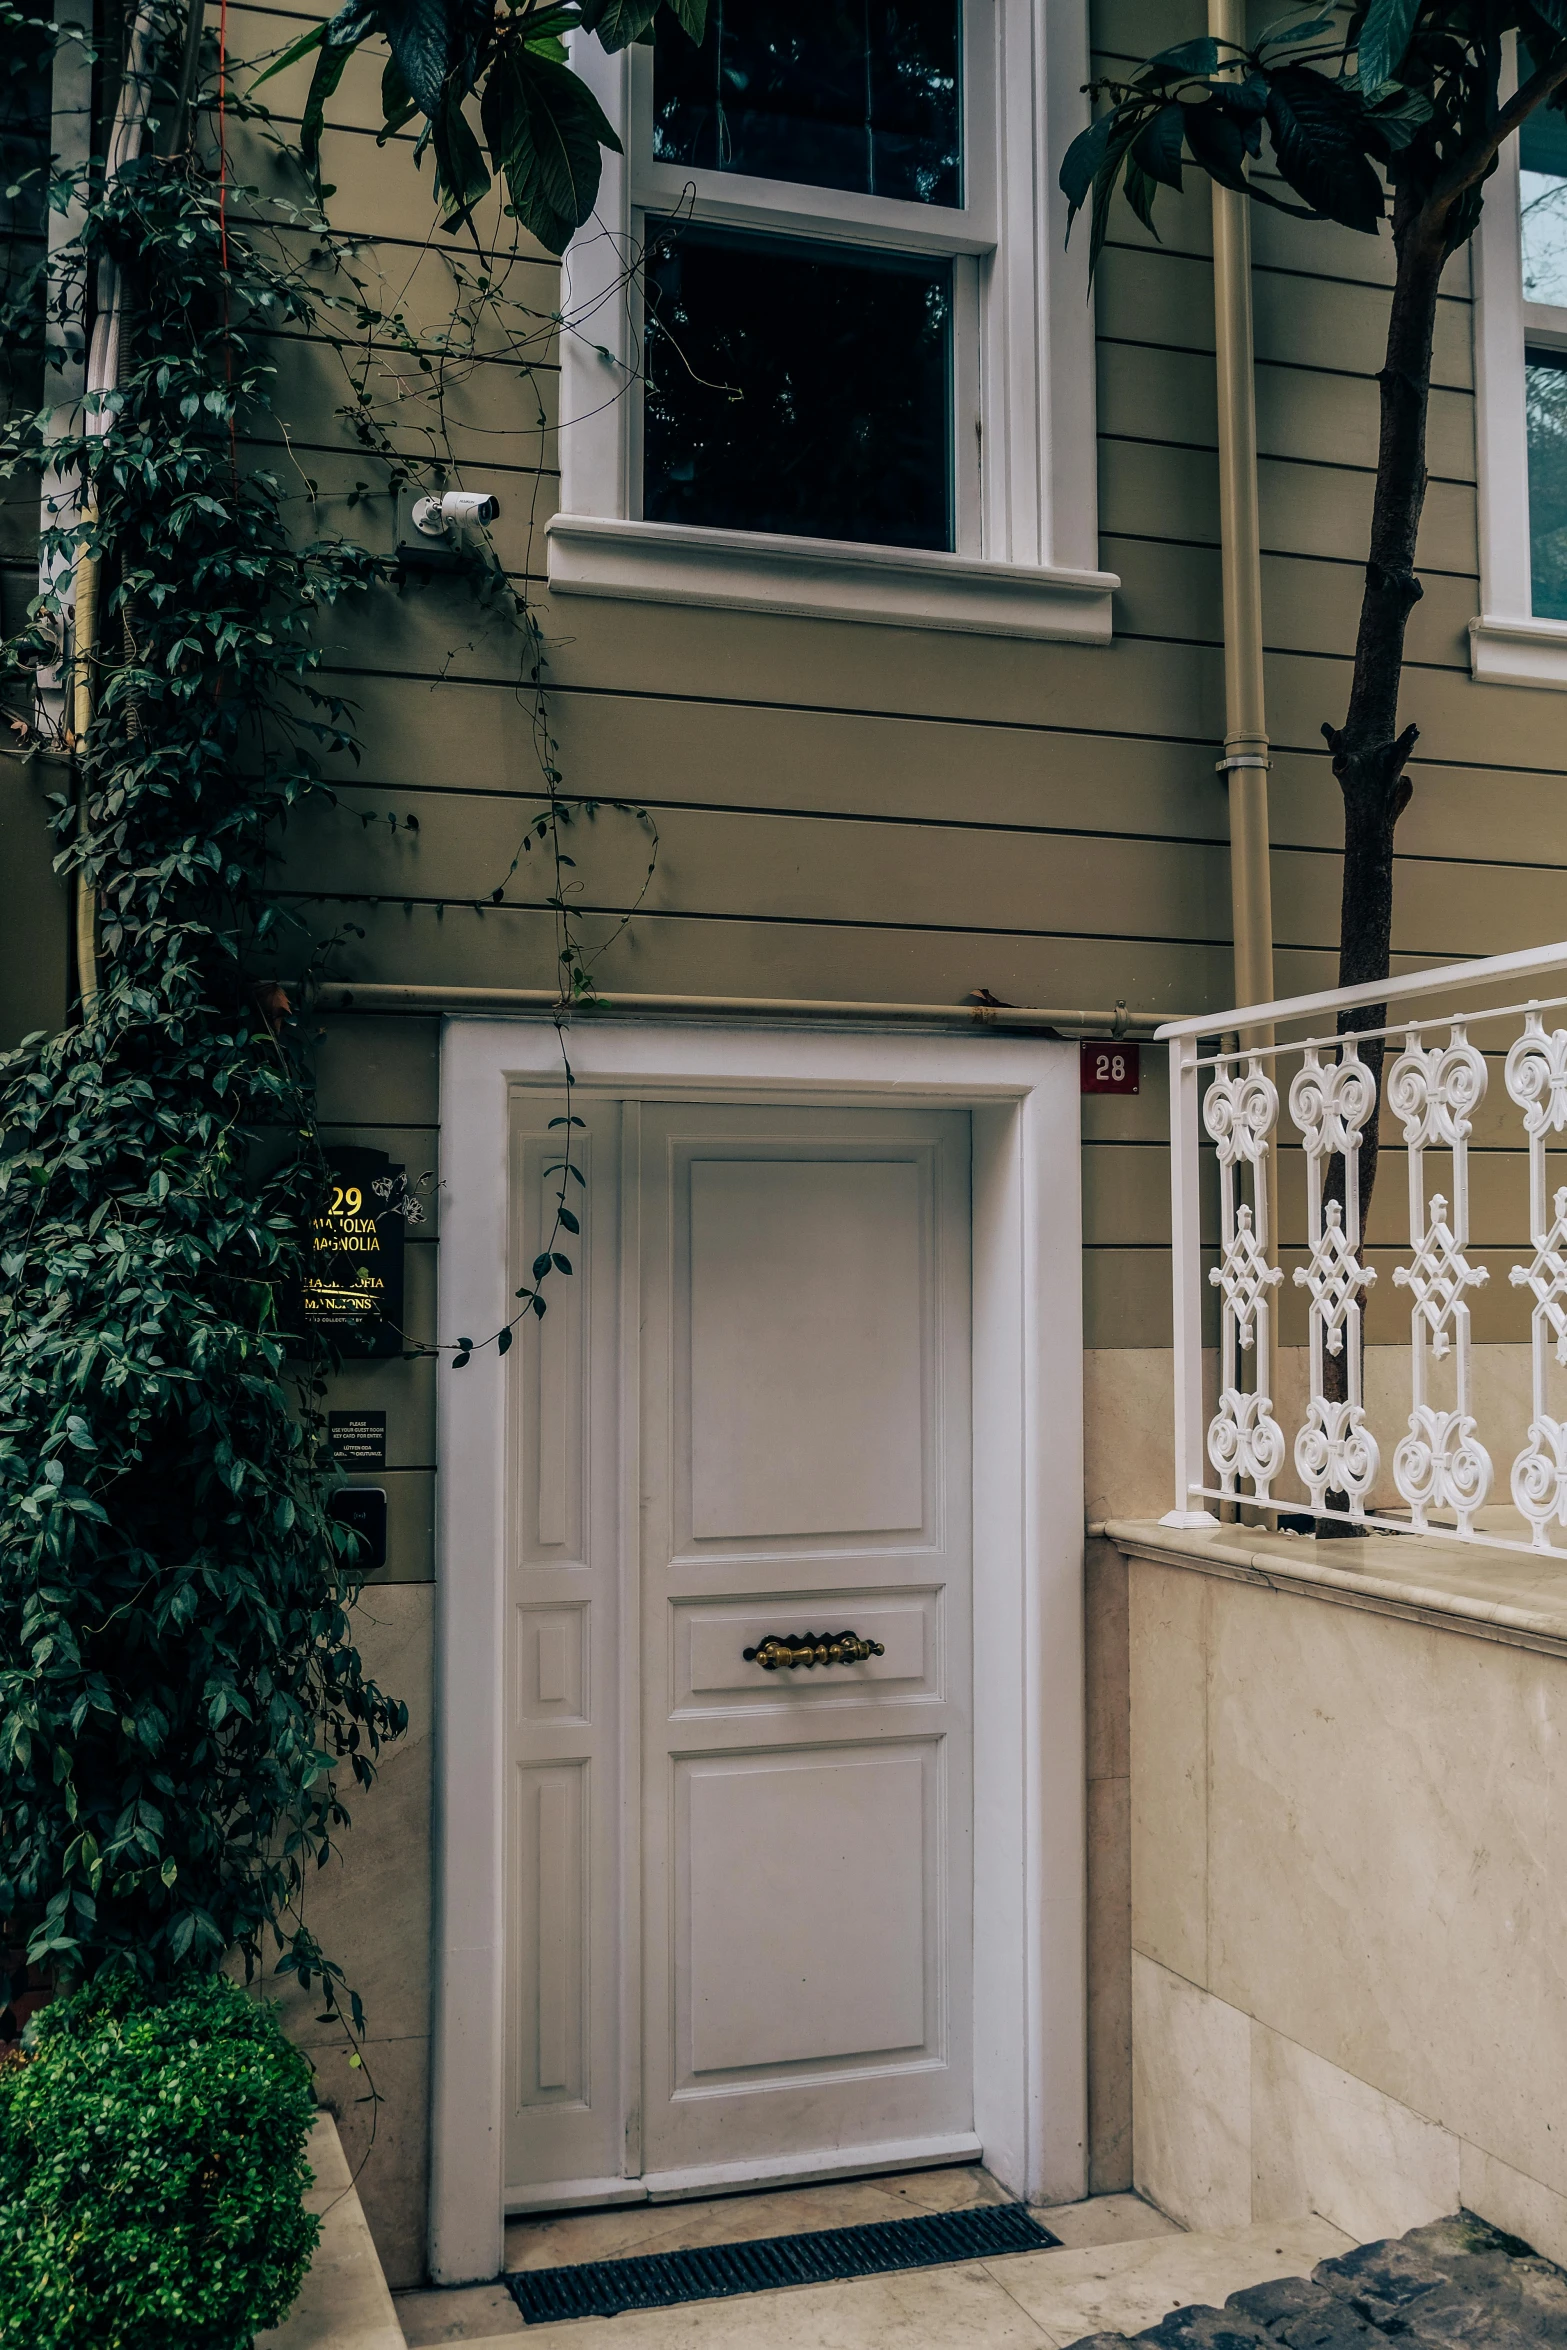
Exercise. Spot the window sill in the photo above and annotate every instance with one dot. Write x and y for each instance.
(826, 579)
(1518, 652)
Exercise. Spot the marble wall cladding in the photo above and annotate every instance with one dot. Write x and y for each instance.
(1236, 2125)
(1509, 2200)
(1349, 1832)
(1168, 1664)
(370, 1910)
(1108, 1744)
(1191, 2100)
(1323, 2141)
(1385, 1858)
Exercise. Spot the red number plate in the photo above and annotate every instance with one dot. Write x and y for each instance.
(1109, 1068)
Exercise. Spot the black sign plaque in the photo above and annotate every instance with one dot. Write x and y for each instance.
(354, 1278)
(358, 1439)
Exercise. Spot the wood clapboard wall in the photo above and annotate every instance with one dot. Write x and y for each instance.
(848, 811)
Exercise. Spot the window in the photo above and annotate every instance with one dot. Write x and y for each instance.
(1521, 385)
(853, 373)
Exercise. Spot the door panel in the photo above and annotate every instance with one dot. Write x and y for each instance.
(804, 1909)
(804, 1466)
(565, 2110)
(817, 1429)
(739, 1901)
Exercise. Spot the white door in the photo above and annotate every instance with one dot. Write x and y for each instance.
(783, 1892)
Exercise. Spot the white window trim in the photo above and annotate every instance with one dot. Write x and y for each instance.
(1028, 560)
(1507, 644)
(1030, 2065)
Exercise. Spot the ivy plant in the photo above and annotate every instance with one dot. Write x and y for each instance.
(181, 1697)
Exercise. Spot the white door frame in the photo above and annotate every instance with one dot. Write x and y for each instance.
(1030, 2063)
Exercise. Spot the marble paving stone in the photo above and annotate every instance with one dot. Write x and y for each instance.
(1322, 2141)
(919, 2309)
(1191, 2100)
(459, 2313)
(1104, 2219)
(1168, 1646)
(343, 2303)
(1123, 2288)
(639, 2228)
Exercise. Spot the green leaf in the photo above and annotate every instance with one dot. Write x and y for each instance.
(541, 1265)
(1157, 147)
(1186, 59)
(1319, 143)
(330, 68)
(461, 1361)
(1082, 160)
(1217, 142)
(461, 179)
(1289, 34)
(1384, 38)
(545, 130)
(620, 22)
(568, 1221)
(691, 16)
(292, 54)
(1140, 191)
(503, 1340)
(561, 1264)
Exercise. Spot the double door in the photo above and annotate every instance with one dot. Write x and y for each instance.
(739, 1893)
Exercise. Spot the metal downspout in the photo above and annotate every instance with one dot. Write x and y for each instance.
(1246, 761)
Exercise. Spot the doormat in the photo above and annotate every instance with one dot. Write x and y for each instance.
(658, 2280)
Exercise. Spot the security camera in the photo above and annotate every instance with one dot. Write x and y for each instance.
(435, 514)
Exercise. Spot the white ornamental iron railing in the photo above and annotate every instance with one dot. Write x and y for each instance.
(1434, 1080)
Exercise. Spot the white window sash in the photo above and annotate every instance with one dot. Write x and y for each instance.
(1507, 644)
(1027, 512)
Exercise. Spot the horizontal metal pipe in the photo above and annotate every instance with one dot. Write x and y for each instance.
(387, 996)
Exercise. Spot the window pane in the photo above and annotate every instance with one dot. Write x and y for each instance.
(794, 387)
(1545, 407)
(860, 94)
(1542, 160)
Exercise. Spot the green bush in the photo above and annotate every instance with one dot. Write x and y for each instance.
(151, 2166)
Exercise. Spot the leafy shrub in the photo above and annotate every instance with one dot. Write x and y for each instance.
(151, 2166)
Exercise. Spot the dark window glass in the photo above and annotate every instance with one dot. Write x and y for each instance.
(1545, 408)
(859, 94)
(792, 387)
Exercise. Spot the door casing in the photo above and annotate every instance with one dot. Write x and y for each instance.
(1030, 2069)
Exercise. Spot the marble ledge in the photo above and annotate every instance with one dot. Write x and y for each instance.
(1509, 1596)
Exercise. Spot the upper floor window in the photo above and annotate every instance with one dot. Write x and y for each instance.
(854, 94)
(1542, 221)
(851, 331)
(813, 224)
(1519, 258)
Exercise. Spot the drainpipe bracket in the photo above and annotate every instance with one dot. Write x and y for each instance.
(1242, 759)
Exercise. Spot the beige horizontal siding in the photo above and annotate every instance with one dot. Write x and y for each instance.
(847, 811)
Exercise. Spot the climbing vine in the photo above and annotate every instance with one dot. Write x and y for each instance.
(181, 1700)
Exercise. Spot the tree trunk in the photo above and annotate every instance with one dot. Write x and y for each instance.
(1369, 754)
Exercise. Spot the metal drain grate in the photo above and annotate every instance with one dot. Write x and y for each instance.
(658, 2280)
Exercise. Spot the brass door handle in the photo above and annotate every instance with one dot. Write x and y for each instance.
(779, 1652)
